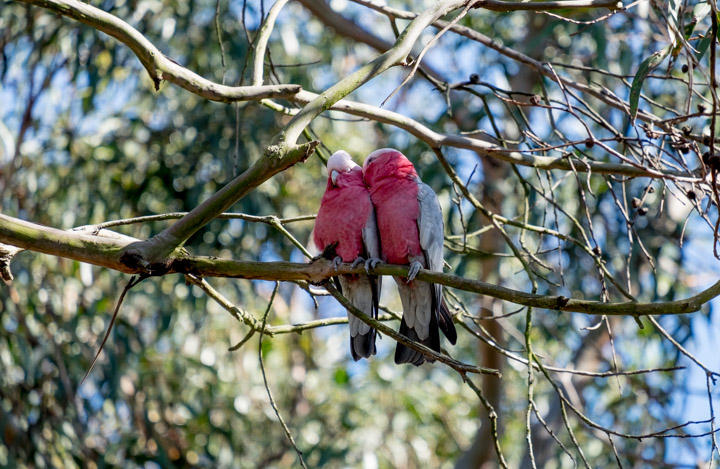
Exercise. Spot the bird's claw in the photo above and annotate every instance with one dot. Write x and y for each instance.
(357, 262)
(336, 262)
(414, 269)
(371, 263)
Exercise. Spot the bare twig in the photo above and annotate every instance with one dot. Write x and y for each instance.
(267, 386)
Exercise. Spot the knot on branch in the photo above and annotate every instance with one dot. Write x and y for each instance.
(562, 301)
(276, 151)
(7, 253)
(321, 269)
(184, 266)
(279, 152)
(154, 69)
(135, 260)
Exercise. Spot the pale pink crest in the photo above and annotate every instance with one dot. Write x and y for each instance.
(339, 163)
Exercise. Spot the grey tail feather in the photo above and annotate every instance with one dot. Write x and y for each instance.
(375, 296)
(445, 320)
(405, 354)
(363, 345)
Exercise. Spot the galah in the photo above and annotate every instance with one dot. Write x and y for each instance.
(346, 219)
(410, 224)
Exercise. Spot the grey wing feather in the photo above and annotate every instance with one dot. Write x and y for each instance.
(432, 236)
(370, 236)
(432, 232)
(430, 227)
(363, 292)
(424, 310)
(371, 240)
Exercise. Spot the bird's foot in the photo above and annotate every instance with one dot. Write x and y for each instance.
(336, 262)
(372, 262)
(414, 269)
(357, 262)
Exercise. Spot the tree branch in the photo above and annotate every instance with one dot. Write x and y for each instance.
(161, 67)
(394, 56)
(437, 140)
(504, 6)
(112, 253)
(152, 255)
(158, 66)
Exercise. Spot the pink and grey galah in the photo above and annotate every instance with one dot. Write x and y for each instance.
(411, 230)
(346, 219)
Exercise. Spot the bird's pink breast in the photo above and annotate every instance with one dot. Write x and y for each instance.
(397, 210)
(344, 210)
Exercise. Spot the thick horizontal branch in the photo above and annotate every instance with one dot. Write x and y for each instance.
(319, 270)
(79, 246)
(155, 62)
(112, 253)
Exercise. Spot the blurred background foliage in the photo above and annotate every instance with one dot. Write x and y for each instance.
(84, 139)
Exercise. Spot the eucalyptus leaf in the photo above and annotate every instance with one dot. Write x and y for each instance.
(642, 73)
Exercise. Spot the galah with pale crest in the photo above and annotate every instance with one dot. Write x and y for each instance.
(411, 230)
(346, 219)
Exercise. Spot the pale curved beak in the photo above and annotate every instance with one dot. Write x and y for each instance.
(333, 176)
